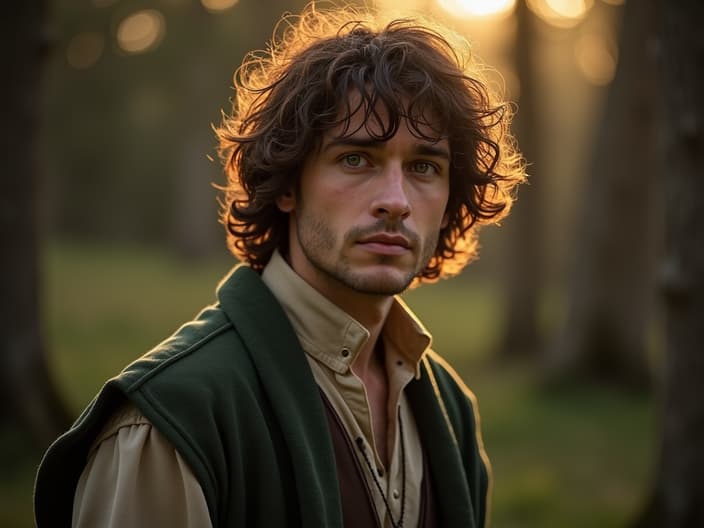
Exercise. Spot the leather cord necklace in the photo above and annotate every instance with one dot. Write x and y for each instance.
(362, 449)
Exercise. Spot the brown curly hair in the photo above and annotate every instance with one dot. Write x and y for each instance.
(288, 97)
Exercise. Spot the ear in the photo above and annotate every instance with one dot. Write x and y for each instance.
(445, 221)
(286, 202)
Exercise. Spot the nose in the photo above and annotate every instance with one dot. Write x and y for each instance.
(390, 199)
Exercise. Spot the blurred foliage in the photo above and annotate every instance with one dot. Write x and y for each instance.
(124, 134)
(573, 457)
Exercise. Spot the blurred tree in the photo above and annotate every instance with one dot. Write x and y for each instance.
(199, 60)
(520, 338)
(194, 211)
(615, 239)
(28, 394)
(129, 135)
(678, 497)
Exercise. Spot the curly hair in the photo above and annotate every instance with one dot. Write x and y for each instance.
(289, 96)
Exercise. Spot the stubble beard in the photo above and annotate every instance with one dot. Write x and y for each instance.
(317, 242)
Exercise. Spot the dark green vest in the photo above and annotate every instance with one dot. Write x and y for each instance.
(233, 392)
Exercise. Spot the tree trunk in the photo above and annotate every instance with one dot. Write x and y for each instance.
(29, 398)
(524, 284)
(678, 497)
(610, 297)
(196, 233)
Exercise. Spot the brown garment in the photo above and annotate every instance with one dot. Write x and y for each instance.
(357, 503)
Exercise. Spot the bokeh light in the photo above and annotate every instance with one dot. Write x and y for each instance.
(561, 13)
(215, 6)
(596, 59)
(141, 31)
(84, 50)
(478, 8)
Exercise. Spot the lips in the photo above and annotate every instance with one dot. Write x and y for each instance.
(387, 239)
(386, 244)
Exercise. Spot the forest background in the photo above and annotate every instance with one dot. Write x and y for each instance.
(578, 328)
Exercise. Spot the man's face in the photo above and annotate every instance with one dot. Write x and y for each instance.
(368, 214)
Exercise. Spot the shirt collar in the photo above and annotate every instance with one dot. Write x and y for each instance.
(331, 335)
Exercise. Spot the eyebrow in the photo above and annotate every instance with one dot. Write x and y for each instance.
(425, 149)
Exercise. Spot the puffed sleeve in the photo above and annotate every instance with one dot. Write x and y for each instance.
(135, 477)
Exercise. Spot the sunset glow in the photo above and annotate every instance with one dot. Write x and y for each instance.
(478, 8)
(595, 59)
(561, 13)
(215, 6)
(141, 31)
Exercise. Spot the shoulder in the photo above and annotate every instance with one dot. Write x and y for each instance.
(448, 380)
(200, 348)
(460, 406)
(459, 402)
(191, 382)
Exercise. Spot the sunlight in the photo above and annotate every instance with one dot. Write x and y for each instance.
(84, 50)
(478, 8)
(400, 9)
(595, 59)
(141, 31)
(568, 8)
(561, 13)
(215, 6)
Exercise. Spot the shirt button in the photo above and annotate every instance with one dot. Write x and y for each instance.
(395, 494)
(345, 352)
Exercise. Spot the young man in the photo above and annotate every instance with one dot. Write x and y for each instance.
(360, 158)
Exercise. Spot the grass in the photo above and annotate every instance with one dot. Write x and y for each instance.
(576, 456)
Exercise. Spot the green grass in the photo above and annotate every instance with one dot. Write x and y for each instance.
(575, 457)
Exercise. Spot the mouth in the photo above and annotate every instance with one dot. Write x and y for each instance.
(385, 244)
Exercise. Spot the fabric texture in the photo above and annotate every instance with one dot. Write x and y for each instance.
(136, 478)
(233, 393)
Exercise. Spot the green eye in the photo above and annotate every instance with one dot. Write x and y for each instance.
(423, 167)
(353, 160)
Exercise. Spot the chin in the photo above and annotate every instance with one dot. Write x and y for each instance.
(380, 283)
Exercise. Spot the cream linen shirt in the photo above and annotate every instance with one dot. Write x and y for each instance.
(332, 339)
(134, 476)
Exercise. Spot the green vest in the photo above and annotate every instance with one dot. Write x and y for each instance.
(233, 392)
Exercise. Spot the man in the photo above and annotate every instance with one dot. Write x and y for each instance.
(360, 159)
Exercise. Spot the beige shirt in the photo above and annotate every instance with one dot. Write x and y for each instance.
(332, 339)
(135, 477)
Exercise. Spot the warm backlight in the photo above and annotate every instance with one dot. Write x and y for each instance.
(561, 13)
(141, 31)
(218, 5)
(596, 59)
(478, 8)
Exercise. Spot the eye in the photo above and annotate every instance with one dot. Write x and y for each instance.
(354, 161)
(425, 168)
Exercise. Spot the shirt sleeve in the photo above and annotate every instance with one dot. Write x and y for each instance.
(135, 477)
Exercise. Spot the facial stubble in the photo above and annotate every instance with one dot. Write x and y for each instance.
(318, 241)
